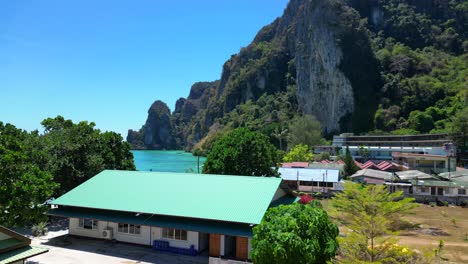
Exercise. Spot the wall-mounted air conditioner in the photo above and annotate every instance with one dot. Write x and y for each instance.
(107, 234)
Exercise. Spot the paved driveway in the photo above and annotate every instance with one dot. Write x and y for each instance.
(70, 250)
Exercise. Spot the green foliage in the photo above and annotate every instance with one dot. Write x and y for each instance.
(349, 166)
(24, 187)
(39, 229)
(242, 152)
(322, 156)
(299, 153)
(294, 234)
(459, 130)
(364, 153)
(369, 212)
(73, 153)
(423, 89)
(304, 130)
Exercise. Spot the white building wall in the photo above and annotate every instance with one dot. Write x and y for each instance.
(279, 193)
(192, 239)
(146, 236)
(74, 229)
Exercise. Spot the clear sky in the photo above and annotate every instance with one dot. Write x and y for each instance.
(107, 61)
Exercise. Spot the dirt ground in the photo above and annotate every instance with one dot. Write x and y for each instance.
(429, 225)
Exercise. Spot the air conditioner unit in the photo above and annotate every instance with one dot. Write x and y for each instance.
(107, 234)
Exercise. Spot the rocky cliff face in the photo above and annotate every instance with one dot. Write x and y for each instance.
(157, 132)
(319, 49)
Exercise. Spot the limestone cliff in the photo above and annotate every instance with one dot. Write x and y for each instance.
(319, 58)
(157, 132)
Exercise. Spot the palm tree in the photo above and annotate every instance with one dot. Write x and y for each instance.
(280, 134)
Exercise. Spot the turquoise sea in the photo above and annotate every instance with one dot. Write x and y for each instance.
(166, 161)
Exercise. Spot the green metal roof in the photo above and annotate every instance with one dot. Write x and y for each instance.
(20, 254)
(10, 242)
(242, 199)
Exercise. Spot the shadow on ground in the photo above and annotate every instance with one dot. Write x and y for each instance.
(121, 250)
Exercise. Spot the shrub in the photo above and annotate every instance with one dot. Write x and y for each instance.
(39, 229)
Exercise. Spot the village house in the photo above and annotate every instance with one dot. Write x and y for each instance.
(16, 248)
(419, 185)
(311, 180)
(176, 212)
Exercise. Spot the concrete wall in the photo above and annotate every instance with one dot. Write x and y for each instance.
(279, 193)
(213, 260)
(146, 236)
(192, 239)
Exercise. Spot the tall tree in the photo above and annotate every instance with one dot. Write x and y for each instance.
(349, 167)
(280, 134)
(73, 153)
(24, 187)
(299, 153)
(304, 130)
(242, 152)
(459, 132)
(369, 212)
(294, 234)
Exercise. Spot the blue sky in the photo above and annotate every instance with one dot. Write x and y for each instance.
(107, 61)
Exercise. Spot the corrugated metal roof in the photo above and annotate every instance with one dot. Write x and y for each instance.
(20, 254)
(454, 184)
(413, 174)
(373, 174)
(293, 174)
(242, 199)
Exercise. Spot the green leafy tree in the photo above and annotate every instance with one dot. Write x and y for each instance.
(369, 212)
(242, 152)
(349, 167)
(24, 187)
(299, 153)
(304, 130)
(294, 234)
(459, 131)
(73, 153)
(364, 153)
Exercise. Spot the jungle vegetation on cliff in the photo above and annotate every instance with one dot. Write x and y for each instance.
(385, 66)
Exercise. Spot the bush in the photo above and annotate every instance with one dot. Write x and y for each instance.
(39, 229)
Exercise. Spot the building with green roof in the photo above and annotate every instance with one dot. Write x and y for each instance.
(16, 248)
(178, 212)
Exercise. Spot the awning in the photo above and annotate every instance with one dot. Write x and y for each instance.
(191, 224)
(21, 254)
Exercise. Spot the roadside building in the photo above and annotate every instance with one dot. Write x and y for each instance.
(371, 176)
(177, 212)
(436, 190)
(425, 162)
(311, 180)
(381, 147)
(16, 248)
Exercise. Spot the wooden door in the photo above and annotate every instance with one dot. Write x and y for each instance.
(215, 245)
(242, 248)
(433, 190)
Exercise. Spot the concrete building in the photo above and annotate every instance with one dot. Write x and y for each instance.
(15, 248)
(425, 162)
(381, 147)
(311, 180)
(176, 212)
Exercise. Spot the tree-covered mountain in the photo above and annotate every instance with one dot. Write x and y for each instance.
(397, 66)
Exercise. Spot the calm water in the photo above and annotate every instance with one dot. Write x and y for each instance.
(166, 161)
